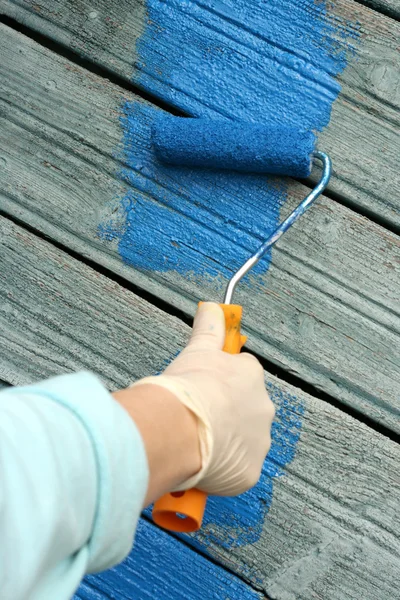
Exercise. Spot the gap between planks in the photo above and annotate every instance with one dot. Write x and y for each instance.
(88, 64)
(77, 200)
(103, 72)
(389, 8)
(338, 502)
(187, 319)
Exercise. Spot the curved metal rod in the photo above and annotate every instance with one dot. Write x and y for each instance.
(283, 227)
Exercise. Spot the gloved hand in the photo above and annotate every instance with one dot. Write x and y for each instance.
(227, 394)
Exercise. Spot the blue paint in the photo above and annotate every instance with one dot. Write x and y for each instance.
(187, 220)
(245, 59)
(238, 145)
(235, 522)
(253, 60)
(160, 566)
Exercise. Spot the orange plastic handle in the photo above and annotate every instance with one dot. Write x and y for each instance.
(183, 511)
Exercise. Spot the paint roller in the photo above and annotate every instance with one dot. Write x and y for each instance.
(246, 147)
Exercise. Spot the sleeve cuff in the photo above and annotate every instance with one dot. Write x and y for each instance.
(121, 462)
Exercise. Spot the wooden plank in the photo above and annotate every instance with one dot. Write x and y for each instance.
(390, 8)
(322, 522)
(226, 38)
(161, 567)
(327, 310)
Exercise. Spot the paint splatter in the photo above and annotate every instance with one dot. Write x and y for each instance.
(150, 572)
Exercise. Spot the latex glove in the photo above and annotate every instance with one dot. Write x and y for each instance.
(227, 394)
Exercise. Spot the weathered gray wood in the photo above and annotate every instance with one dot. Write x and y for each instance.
(326, 310)
(361, 137)
(390, 8)
(333, 528)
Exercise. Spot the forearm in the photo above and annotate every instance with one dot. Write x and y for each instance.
(169, 433)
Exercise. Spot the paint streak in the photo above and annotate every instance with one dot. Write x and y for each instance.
(187, 220)
(243, 59)
(160, 566)
(234, 522)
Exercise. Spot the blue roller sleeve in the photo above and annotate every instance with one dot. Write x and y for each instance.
(236, 145)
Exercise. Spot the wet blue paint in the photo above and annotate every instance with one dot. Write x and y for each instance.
(265, 61)
(159, 566)
(235, 145)
(235, 522)
(188, 220)
(268, 62)
(253, 60)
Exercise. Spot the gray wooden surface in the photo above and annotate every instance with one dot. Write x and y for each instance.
(387, 7)
(361, 136)
(327, 309)
(333, 528)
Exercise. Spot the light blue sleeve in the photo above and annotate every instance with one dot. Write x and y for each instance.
(73, 478)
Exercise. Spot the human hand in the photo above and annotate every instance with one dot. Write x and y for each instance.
(228, 396)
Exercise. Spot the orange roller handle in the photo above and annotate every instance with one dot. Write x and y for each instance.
(183, 511)
(234, 340)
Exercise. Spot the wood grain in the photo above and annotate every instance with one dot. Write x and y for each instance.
(391, 8)
(332, 530)
(361, 137)
(327, 310)
(161, 567)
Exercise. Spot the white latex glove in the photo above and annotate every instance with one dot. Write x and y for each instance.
(227, 394)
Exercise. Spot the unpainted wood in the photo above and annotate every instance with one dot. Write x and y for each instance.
(362, 136)
(327, 309)
(333, 528)
(391, 8)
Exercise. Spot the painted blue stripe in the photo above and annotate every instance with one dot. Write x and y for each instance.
(188, 220)
(245, 59)
(235, 522)
(160, 566)
(272, 62)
